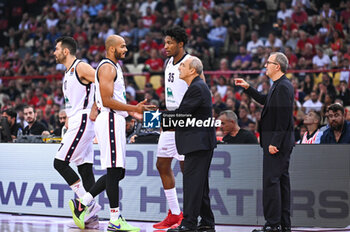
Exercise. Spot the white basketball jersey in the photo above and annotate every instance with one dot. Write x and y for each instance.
(175, 88)
(77, 95)
(118, 92)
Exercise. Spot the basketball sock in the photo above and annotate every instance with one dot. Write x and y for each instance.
(87, 198)
(173, 203)
(115, 213)
(78, 188)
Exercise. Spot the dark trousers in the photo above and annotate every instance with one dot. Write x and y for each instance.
(196, 189)
(276, 188)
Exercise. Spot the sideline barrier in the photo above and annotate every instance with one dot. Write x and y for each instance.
(320, 179)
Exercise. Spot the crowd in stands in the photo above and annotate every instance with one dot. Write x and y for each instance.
(227, 35)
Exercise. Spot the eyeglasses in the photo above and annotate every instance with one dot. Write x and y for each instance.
(271, 62)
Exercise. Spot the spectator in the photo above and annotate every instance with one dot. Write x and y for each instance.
(233, 134)
(292, 58)
(224, 67)
(327, 81)
(336, 42)
(239, 21)
(344, 93)
(11, 116)
(149, 19)
(284, 12)
(254, 43)
(302, 42)
(313, 103)
(138, 33)
(222, 87)
(217, 35)
(273, 42)
(288, 27)
(149, 3)
(154, 63)
(244, 120)
(312, 122)
(61, 127)
(339, 129)
(242, 60)
(94, 8)
(307, 56)
(321, 60)
(299, 16)
(105, 31)
(217, 103)
(337, 60)
(34, 127)
(307, 85)
(145, 48)
(327, 12)
(345, 14)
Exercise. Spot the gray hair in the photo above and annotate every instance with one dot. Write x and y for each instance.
(282, 60)
(196, 63)
(230, 115)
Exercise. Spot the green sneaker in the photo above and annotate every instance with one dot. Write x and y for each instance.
(121, 225)
(79, 211)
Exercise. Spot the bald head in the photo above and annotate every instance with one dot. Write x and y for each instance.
(115, 47)
(113, 41)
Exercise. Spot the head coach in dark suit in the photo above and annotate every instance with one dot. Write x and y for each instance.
(277, 141)
(197, 142)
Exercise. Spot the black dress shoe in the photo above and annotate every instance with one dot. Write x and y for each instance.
(286, 229)
(206, 228)
(269, 229)
(182, 228)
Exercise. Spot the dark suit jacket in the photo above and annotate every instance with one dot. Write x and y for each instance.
(276, 126)
(197, 103)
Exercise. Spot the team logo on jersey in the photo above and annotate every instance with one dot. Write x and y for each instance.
(169, 93)
(67, 103)
(72, 71)
(151, 119)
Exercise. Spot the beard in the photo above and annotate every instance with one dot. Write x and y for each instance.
(60, 59)
(117, 55)
(336, 126)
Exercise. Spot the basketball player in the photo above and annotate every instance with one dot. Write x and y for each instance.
(175, 88)
(76, 145)
(110, 132)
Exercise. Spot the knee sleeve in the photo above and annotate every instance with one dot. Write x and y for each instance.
(99, 187)
(114, 175)
(66, 171)
(87, 175)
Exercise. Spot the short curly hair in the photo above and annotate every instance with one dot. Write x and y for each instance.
(178, 33)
